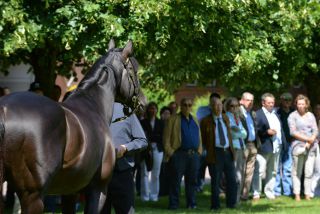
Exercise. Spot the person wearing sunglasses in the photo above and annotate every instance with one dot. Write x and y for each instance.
(182, 146)
(239, 135)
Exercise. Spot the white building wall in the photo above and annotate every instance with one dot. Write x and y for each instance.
(18, 78)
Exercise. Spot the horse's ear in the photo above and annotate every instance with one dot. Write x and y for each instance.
(128, 50)
(111, 45)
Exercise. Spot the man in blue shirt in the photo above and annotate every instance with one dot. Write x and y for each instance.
(182, 146)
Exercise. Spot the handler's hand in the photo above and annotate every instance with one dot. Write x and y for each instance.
(121, 150)
(271, 132)
(308, 146)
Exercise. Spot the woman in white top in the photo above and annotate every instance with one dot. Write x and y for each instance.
(304, 130)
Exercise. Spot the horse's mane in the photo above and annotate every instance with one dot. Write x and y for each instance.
(93, 75)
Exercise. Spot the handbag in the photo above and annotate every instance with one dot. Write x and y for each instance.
(147, 156)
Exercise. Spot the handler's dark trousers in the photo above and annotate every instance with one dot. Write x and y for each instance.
(120, 193)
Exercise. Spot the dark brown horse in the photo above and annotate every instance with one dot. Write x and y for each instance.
(52, 148)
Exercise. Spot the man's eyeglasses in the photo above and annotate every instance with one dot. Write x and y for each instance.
(234, 105)
(187, 104)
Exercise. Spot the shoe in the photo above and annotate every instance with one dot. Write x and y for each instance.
(297, 197)
(256, 198)
(270, 196)
(244, 198)
(192, 207)
(277, 194)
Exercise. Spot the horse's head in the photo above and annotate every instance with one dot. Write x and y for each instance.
(125, 68)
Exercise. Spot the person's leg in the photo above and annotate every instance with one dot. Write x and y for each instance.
(202, 172)
(144, 182)
(286, 176)
(239, 167)
(298, 162)
(155, 174)
(230, 173)
(190, 177)
(316, 177)
(308, 172)
(137, 177)
(108, 203)
(251, 151)
(216, 171)
(177, 163)
(259, 174)
(120, 193)
(271, 172)
(164, 179)
(279, 176)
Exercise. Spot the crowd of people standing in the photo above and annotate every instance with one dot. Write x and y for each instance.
(271, 151)
(249, 153)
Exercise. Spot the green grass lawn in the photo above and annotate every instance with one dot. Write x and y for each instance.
(279, 205)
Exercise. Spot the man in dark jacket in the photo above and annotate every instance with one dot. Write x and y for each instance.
(272, 140)
(216, 138)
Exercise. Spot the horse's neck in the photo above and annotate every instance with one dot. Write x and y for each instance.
(98, 99)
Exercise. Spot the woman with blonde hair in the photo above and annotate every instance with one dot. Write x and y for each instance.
(238, 133)
(304, 130)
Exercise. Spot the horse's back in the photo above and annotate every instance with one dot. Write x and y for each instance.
(34, 138)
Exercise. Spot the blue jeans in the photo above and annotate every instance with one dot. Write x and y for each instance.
(283, 178)
(184, 164)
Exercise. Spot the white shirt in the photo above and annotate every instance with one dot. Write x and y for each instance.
(274, 123)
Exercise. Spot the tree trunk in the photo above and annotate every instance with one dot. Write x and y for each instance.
(44, 64)
(313, 87)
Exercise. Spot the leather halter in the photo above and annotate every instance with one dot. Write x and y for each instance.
(134, 99)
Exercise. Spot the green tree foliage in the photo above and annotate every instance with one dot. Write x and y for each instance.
(245, 44)
(256, 45)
